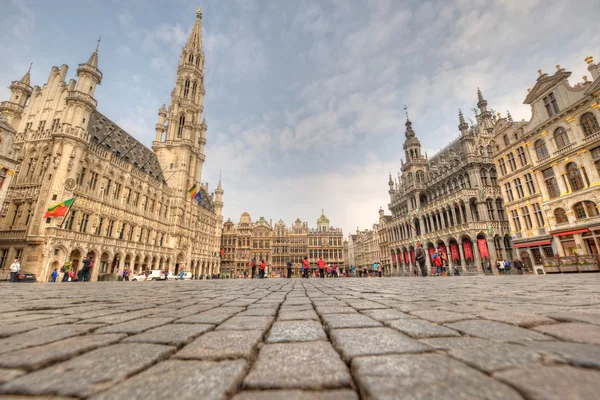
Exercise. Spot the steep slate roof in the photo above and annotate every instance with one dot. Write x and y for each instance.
(116, 140)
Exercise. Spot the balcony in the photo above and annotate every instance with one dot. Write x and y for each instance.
(82, 97)
(592, 137)
(564, 150)
(555, 265)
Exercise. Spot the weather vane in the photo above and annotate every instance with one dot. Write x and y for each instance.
(406, 111)
(99, 40)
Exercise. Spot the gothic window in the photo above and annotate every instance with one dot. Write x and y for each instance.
(197, 61)
(93, 180)
(522, 156)
(519, 188)
(490, 209)
(589, 123)
(186, 88)
(502, 166)
(561, 138)
(493, 177)
(474, 211)
(516, 220)
(484, 179)
(191, 58)
(83, 223)
(539, 217)
(500, 208)
(506, 141)
(574, 176)
(579, 211)
(529, 183)
(551, 183)
(194, 87)
(180, 126)
(560, 216)
(540, 149)
(551, 105)
(526, 217)
(509, 193)
(511, 161)
(461, 180)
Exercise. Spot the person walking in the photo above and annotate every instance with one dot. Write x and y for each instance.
(65, 269)
(375, 269)
(321, 266)
(438, 264)
(181, 275)
(500, 266)
(306, 267)
(87, 269)
(262, 267)
(253, 266)
(289, 268)
(353, 270)
(15, 268)
(334, 270)
(420, 256)
(54, 275)
(519, 266)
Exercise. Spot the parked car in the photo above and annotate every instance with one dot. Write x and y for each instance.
(155, 275)
(174, 277)
(25, 277)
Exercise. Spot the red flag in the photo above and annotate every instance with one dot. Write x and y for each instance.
(454, 251)
(483, 250)
(468, 250)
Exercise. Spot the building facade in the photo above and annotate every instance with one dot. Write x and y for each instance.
(449, 202)
(132, 207)
(366, 248)
(548, 168)
(276, 244)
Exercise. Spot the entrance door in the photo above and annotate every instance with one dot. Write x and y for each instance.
(591, 244)
(570, 247)
(526, 260)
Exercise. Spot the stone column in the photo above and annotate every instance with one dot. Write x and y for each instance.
(453, 211)
(461, 252)
(477, 257)
(562, 184)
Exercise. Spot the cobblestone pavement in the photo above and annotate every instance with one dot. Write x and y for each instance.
(514, 337)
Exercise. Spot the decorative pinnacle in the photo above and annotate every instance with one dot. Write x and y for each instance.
(29, 70)
(479, 95)
(589, 60)
(585, 78)
(406, 111)
(508, 115)
(98, 44)
(540, 72)
(461, 117)
(528, 90)
(199, 13)
(558, 67)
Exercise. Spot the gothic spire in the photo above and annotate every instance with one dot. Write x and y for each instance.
(462, 126)
(481, 102)
(194, 42)
(26, 79)
(409, 130)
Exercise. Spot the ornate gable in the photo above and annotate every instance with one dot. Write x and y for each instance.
(545, 83)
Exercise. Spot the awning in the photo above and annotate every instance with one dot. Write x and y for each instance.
(595, 228)
(533, 244)
(565, 233)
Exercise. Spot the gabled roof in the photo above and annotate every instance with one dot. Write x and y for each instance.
(545, 82)
(594, 87)
(109, 135)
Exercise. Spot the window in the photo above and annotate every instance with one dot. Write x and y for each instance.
(81, 177)
(484, 179)
(522, 156)
(529, 183)
(99, 227)
(539, 217)
(180, 127)
(83, 223)
(71, 220)
(506, 141)
(41, 126)
(117, 192)
(560, 216)
(516, 221)
(490, 209)
(136, 198)
(526, 217)
(122, 233)
(509, 193)
(502, 166)
(493, 177)
(145, 201)
(574, 176)
(3, 256)
(2, 176)
(109, 229)
(107, 188)
(511, 161)
(551, 183)
(540, 149)
(579, 211)
(130, 233)
(537, 256)
(500, 208)
(585, 209)
(93, 180)
(55, 124)
(519, 188)
(186, 89)
(589, 123)
(561, 138)
(194, 87)
(551, 104)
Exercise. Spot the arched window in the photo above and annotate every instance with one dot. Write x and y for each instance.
(589, 123)
(500, 208)
(462, 182)
(194, 87)
(493, 177)
(484, 178)
(502, 166)
(574, 176)
(560, 216)
(488, 149)
(180, 127)
(540, 149)
(186, 88)
(561, 138)
(585, 209)
(506, 141)
(197, 61)
(191, 58)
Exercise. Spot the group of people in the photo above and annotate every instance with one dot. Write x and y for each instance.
(262, 268)
(504, 266)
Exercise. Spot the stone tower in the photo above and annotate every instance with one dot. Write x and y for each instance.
(20, 93)
(180, 131)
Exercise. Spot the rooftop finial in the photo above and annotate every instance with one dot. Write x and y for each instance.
(461, 117)
(29, 70)
(406, 111)
(589, 60)
(540, 72)
(98, 44)
(479, 95)
(199, 13)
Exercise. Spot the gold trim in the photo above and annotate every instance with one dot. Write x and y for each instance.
(570, 119)
(545, 133)
(595, 105)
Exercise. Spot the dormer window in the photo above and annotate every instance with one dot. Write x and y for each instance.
(551, 105)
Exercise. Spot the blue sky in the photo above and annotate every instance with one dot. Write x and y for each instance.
(304, 99)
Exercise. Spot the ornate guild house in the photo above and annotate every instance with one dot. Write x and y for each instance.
(132, 206)
(450, 202)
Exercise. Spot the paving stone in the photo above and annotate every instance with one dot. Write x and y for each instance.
(553, 382)
(342, 394)
(313, 365)
(220, 345)
(322, 310)
(445, 343)
(572, 332)
(386, 314)
(7, 375)
(419, 328)
(578, 354)
(496, 331)
(203, 318)
(15, 397)
(295, 308)
(120, 317)
(253, 312)
(42, 336)
(439, 317)
(335, 321)
(13, 329)
(426, 376)
(246, 323)
(298, 315)
(515, 318)
(135, 326)
(496, 356)
(89, 373)
(39, 356)
(223, 310)
(296, 331)
(364, 304)
(173, 334)
(573, 316)
(182, 380)
(7, 320)
(370, 341)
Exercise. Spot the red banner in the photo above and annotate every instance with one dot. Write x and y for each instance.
(483, 250)
(414, 256)
(431, 251)
(406, 259)
(394, 258)
(454, 252)
(468, 250)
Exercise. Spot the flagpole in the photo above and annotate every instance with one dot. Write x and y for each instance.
(68, 211)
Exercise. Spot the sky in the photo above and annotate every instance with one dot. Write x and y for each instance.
(305, 99)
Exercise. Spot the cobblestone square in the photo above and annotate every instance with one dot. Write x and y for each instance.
(502, 337)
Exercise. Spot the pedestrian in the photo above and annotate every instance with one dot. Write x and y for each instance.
(86, 270)
(306, 267)
(365, 273)
(15, 268)
(328, 271)
(353, 270)
(438, 264)
(253, 266)
(54, 275)
(262, 268)
(519, 266)
(500, 266)
(420, 256)
(375, 267)
(181, 275)
(444, 259)
(334, 270)
(289, 268)
(66, 268)
(321, 266)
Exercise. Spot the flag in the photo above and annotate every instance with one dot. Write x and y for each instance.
(222, 252)
(411, 225)
(193, 191)
(60, 209)
(198, 197)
